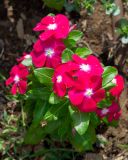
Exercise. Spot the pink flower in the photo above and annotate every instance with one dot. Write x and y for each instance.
(86, 93)
(47, 53)
(25, 56)
(57, 26)
(116, 91)
(62, 79)
(18, 79)
(90, 65)
(112, 113)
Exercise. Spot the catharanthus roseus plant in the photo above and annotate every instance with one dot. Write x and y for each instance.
(67, 92)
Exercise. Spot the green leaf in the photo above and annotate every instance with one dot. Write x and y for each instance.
(54, 99)
(27, 107)
(52, 126)
(55, 111)
(105, 103)
(27, 62)
(39, 111)
(109, 86)
(39, 93)
(69, 43)
(83, 52)
(116, 11)
(72, 6)
(34, 135)
(66, 55)
(108, 75)
(72, 38)
(65, 127)
(84, 142)
(44, 75)
(95, 121)
(80, 120)
(75, 35)
(56, 4)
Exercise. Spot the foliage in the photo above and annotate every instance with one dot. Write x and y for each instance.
(109, 5)
(122, 30)
(69, 110)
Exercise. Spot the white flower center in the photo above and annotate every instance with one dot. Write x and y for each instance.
(114, 81)
(104, 111)
(88, 93)
(85, 67)
(27, 56)
(59, 79)
(49, 52)
(52, 26)
(16, 78)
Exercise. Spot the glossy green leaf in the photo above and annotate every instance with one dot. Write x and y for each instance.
(52, 126)
(84, 142)
(64, 129)
(109, 85)
(75, 35)
(39, 93)
(105, 103)
(67, 55)
(55, 111)
(69, 43)
(83, 52)
(27, 62)
(44, 75)
(34, 135)
(94, 119)
(108, 75)
(80, 120)
(41, 108)
(56, 4)
(54, 99)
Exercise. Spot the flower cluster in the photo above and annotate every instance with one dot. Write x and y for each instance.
(18, 76)
(63, 78)
(46, 51)
(82, 79)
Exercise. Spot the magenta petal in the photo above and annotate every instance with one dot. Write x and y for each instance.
(47, 34)
(56, 60)
(14, 89)
(38, 46)
(38, 60)
(60, 89)
(117, 115)
(78, 59)
(114, 108)
(96, 65)
(88, 105)
(48, 20)
(9, 81)
(48, 62)
(63, 26)
(116, 91)
(99, 95)
(110, 117)
(72, 27)
(39, 27)
(76, 98)
(22, 87)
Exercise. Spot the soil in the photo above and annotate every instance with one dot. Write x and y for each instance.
(16, 36)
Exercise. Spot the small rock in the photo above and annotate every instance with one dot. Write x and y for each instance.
(23, 16)
(20, 29)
